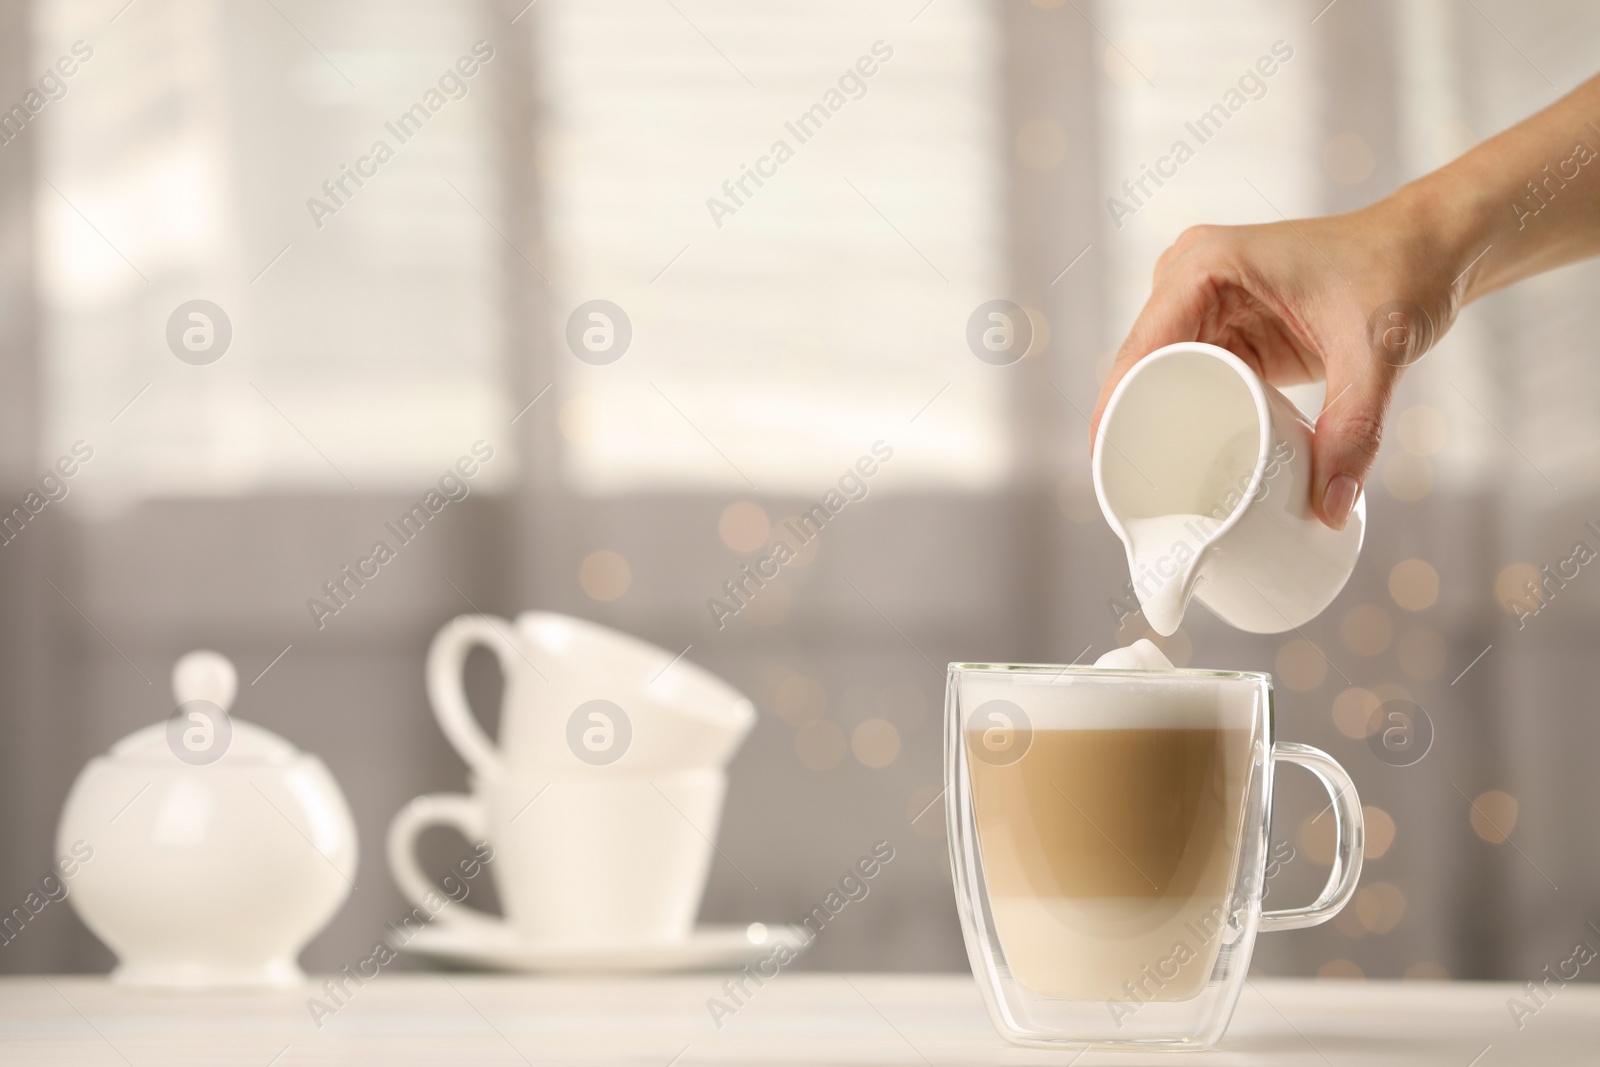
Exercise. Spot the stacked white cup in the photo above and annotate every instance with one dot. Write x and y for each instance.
(602, 798)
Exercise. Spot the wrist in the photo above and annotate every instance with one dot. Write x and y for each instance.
(1445, 221)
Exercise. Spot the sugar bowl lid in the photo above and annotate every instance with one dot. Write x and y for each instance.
(199, 732)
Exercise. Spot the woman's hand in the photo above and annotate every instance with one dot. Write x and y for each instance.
(1351, 299)
(1355, 299)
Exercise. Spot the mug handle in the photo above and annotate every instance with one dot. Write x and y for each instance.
(439, 809)
(446, 656)
(1350, 833)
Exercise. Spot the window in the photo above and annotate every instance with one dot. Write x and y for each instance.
(781, 322)
(365, 351)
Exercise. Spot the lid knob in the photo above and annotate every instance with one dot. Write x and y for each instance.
(205, 675)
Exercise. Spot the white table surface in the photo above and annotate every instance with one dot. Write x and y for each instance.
(408, 1018)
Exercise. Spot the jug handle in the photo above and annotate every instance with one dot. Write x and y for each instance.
(446, 657)
(1349, 834)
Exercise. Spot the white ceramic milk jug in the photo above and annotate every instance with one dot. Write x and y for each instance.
(1204, 471)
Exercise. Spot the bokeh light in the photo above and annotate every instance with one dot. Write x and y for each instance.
(1380, 906)
(1340, 969)
(579, 419)
(1414, 584)
(744, 526)
(1349, 925)
(1422, 430)
(1380, 831)
(1041, 329)
(1494, 816)
(1316, 836)
(1511, 587)
(604, 575)
(875, 743)
(1352, 712)
(1407, 476)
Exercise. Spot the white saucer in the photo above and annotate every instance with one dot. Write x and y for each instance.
(483, 945)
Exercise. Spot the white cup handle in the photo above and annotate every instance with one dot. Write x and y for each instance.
(1350, 840)
(439, 809)
(446, 657)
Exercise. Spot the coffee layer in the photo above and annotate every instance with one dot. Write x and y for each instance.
(1100, 846)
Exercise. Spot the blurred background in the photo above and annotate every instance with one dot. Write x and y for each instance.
(379, 330)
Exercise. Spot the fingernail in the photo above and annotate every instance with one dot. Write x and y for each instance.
(1339, 498)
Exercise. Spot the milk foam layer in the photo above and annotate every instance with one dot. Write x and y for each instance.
(1086, 700)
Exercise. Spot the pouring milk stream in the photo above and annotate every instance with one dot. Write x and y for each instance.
(1204, 471)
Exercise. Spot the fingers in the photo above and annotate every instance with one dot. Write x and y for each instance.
(1349, 431)
(1261, 270)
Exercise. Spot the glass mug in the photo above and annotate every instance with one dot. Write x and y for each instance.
(1108, 838)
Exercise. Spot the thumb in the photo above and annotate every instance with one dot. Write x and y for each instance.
(1349, 431)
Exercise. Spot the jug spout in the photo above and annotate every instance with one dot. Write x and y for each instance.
(1164, 555)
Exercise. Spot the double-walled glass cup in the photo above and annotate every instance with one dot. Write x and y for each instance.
(1108, 835)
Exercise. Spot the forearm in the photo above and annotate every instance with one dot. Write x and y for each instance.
(1530, 196)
